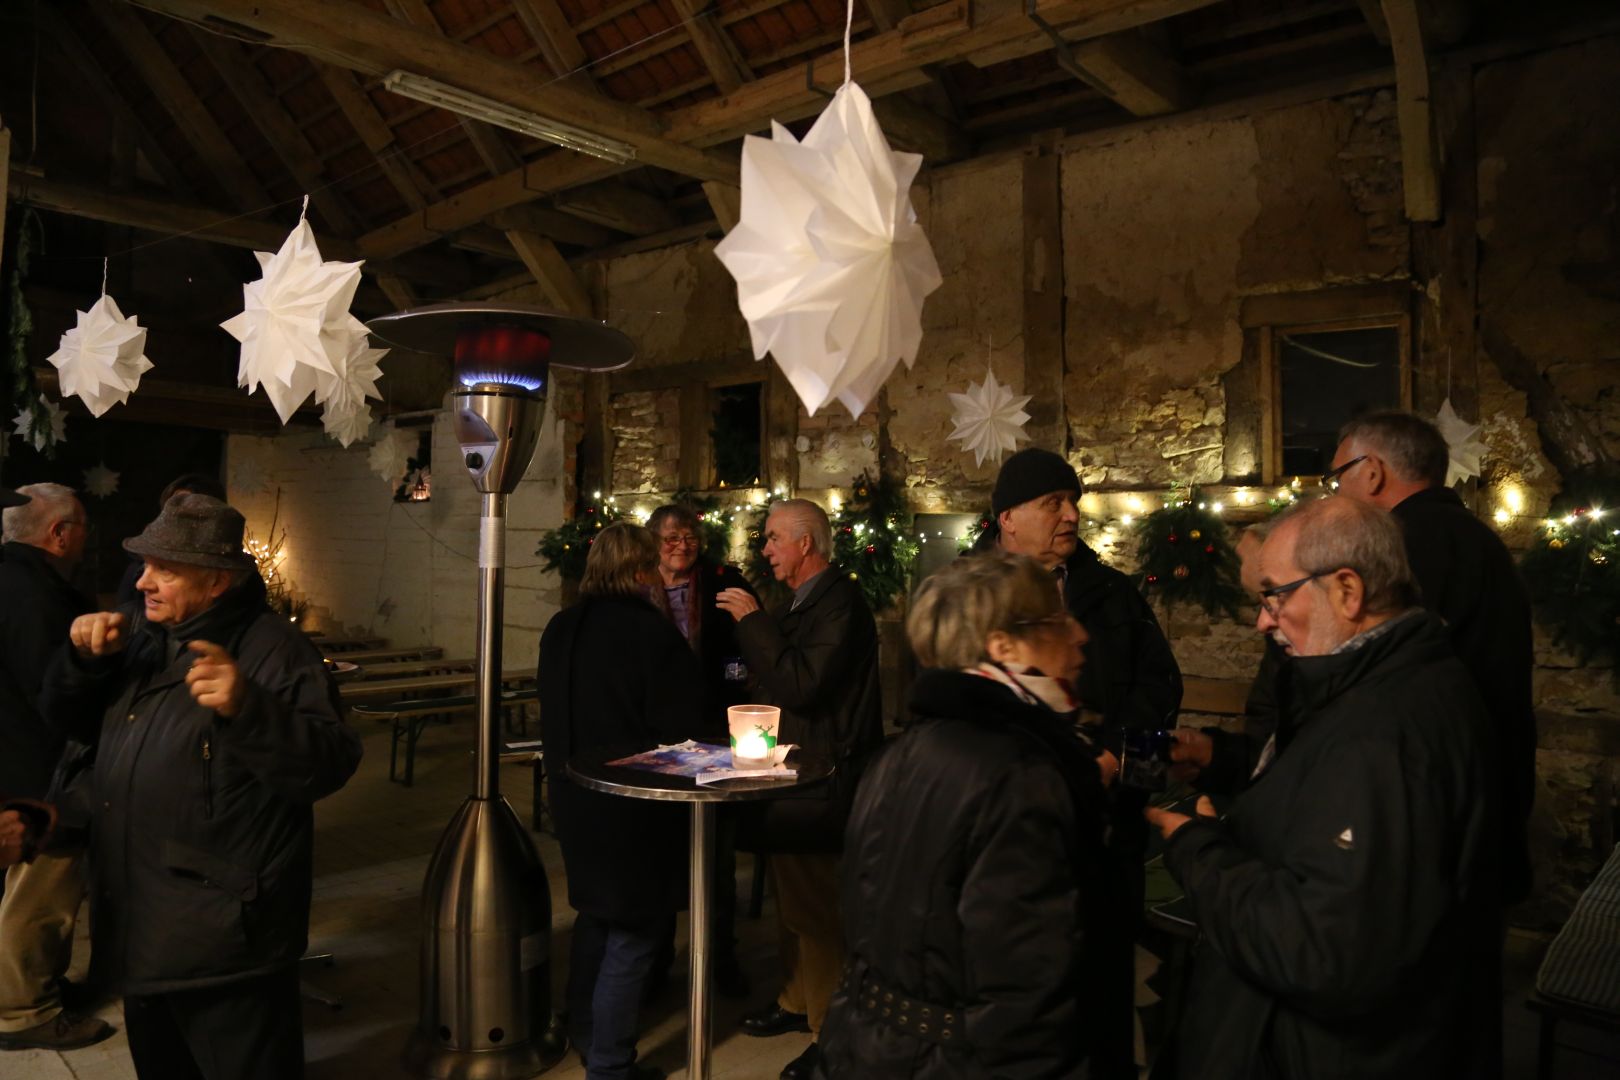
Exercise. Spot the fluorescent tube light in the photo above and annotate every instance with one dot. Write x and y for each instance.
(474, 107)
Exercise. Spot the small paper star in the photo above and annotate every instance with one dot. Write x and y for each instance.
(1462, 439)
(989, 419)
(53, 431)
(100, 481)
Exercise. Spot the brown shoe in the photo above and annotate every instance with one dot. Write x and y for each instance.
(66, 1031)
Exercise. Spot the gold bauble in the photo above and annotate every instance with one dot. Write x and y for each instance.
(1194, 533)
(1556, 544)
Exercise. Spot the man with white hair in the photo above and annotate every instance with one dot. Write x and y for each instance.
(1347, 902)
(818, 661)
(44, 540)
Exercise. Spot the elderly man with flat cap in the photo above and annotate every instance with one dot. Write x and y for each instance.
(216, 729)
(1130, 682)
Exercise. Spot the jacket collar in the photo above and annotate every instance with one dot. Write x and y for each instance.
(1435, 496)
(1411, 639)
(222, 623)
(32, 557)
(818, 588)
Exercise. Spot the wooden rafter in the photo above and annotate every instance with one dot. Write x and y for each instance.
(1414, 112)
(618, 206)
(377, 136)
(555, 39)
(178, 97)
(563, 227)
(715, 48)
(726, 202)
(363, 40)
(211, 224)
(62, 34)
(236, 70)
(496, 155)
(1134, 73)
(551, 272)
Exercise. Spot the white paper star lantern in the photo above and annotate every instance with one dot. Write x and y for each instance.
(100, 481)
(989, 419)
(50, 433)
(102, 358)
(831, 265)
(347, 417)
(389, 454)
(1462, 439)
(295, 325)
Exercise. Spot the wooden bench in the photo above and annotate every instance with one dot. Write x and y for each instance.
(407, 669)
(409, 716)
(329, 645)
(1579, 980)
(375, 691)
(1215, 697)
(383, 656)
(530, 752)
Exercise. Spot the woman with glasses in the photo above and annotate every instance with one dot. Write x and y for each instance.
(974, 853)
(615, 673)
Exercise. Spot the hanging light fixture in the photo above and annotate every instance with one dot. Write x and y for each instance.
(477, 107)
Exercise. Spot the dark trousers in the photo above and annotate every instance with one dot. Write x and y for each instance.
(722, 898)
(608, 969)
(251, 1030)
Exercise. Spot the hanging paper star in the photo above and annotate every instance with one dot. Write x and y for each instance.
(389, 455)
(248, 476)
(831, 265)
(347, 417)
(100, 481)
(48, 432)
(1462, 439)
(295, 325)
(989, 419)
(101, 359)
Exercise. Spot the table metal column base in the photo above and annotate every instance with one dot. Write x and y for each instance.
(699, 1037)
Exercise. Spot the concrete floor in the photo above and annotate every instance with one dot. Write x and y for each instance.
(373, 840)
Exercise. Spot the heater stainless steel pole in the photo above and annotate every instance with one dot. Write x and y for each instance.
(491, 593)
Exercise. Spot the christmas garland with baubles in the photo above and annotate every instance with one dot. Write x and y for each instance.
(1185, 556)
(1573, 569)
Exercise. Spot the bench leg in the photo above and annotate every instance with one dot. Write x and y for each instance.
(393, 750)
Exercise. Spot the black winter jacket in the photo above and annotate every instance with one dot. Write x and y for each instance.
(616, 674)
(819, 663)
(1469, 579)
(37, 605)
(1347, 901)
(203, 827)
(970, 865)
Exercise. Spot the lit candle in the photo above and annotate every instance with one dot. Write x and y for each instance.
(751, 748)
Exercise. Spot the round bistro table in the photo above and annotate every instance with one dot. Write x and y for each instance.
(592, 771)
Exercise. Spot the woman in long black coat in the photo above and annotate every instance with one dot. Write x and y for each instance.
(615, 673)
(974, 851)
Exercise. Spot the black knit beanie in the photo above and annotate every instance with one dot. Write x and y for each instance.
(1029, 474)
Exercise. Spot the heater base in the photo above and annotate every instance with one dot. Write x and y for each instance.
(426, 1056)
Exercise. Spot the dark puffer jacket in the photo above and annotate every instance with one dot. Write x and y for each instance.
(37, 605)
(1348, 902)
(203, 827)
(970, 871)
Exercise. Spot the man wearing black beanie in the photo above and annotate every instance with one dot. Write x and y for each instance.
(1130, 681)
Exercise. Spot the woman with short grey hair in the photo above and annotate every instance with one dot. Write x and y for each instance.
(973, 854)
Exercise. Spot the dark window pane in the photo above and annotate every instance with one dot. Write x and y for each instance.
(736, 434)
(1329, 378)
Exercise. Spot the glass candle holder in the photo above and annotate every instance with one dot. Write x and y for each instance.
(753, 735)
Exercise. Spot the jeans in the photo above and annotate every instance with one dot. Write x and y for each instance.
(608, 969)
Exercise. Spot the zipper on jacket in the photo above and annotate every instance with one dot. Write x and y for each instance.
(208, 778)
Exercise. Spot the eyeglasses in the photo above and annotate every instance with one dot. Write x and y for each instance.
(1332, 477)
(1274, 598)
(678, 541)
(1059, 619)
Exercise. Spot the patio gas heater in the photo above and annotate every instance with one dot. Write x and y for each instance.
(486, 903)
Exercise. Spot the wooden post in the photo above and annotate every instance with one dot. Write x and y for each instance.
(1044, 301)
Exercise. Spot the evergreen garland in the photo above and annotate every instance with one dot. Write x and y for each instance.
(1573, 569)
(873, 540)
(565, 547)
(969, 539)
(20, 390)
(1185, 556)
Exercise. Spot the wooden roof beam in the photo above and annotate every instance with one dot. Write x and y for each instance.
(1414, 110)
(485, 140)
(1134, 73)
(618, 206)
(558, 44)
(178, 97)
(377, 136)
(347, 33)
(551, 271)
(213, 225)
(715, 48)
(912, 127)
(236, 70)
(556, 225)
